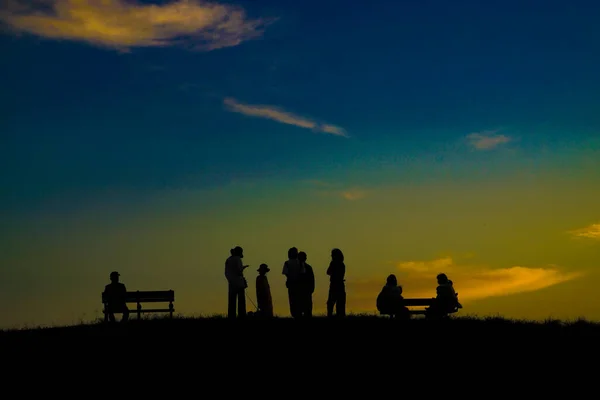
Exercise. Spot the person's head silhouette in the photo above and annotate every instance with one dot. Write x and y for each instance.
(237, 251)
(392, 280)
(302, 256)
(263, 269)
(114, 276)
(292, 253)
(442, 279)
(337, 255)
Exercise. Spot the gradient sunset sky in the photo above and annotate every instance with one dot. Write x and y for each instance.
(419, 137)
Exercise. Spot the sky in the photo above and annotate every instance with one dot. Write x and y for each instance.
(419, 137)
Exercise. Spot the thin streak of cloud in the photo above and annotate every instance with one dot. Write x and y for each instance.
(353, 194)
(277, 114)
(337, 190)
(589, 232)
(418, 279)
(122, 25)
(487, 140)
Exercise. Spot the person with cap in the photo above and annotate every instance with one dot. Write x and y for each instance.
(263, 292)
(234, 272)
(115, 293)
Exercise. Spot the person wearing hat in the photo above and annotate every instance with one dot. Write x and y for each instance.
(115, 293)
(263, 292)
(234, 272)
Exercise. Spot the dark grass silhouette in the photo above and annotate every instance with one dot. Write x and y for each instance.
(353, 325)
(337, 357)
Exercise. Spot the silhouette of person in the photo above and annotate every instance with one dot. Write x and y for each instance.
(293, 270)
(308, 285)
(115, 293)
(234, 272)
(390, 300)
(446, 300)
(263, 292)
(337, 289)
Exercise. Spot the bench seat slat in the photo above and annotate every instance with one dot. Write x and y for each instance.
(134, 311)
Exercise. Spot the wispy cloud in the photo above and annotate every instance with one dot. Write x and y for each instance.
(353, 194)
(277, 114)
(122, 24)
(337, 190)
(487, 140)
(589, 232)
(472, 282)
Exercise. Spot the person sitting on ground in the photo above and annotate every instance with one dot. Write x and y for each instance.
(263, 292)
(390, 300)
(115, 293)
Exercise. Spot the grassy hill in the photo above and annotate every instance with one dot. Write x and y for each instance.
(351, 326)
(356, 353)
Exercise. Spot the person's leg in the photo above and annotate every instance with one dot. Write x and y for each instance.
(242, 303)
(125, 317)
(331, 299)
(341, 302)
(296, 305)
(309, 305)
(232, 297)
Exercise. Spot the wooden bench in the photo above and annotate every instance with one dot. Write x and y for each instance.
(140, 297)
(424, 302)
(418, 303)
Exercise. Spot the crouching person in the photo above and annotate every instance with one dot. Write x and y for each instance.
(390, 301)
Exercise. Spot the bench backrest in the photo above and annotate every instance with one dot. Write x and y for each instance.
(147, 296)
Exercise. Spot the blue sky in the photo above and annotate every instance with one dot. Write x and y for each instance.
(385, 91)
(411, 74)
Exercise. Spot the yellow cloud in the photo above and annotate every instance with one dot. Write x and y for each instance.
(590, 232)
(353, 194)
(279, 115)
(123, 24)
(418, 279)
(486, 140)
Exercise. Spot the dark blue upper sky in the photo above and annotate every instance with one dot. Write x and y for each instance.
(401, 77)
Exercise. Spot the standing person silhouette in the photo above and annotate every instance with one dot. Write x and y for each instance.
(234, 272)
(293, 271)
(337, 289)
(263, 292)
(308, 285)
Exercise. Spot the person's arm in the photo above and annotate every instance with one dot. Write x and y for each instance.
(311, 279)
(330, 269)
(285, 269)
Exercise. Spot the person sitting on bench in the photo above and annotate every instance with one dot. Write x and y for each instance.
(447, 299)
(116, 292)
(390, 300)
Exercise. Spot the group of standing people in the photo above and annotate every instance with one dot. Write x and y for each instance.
(300, 283)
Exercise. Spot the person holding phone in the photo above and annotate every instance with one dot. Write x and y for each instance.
(237, 284)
